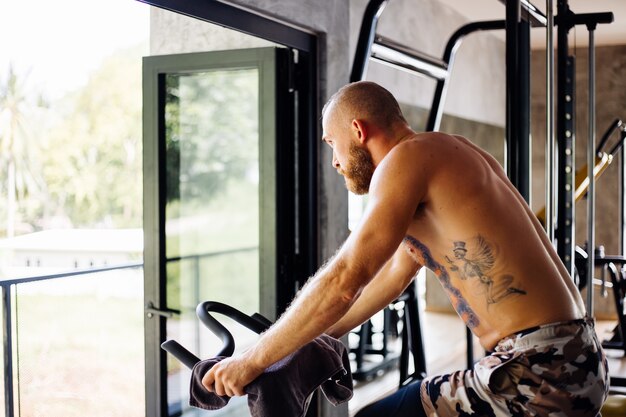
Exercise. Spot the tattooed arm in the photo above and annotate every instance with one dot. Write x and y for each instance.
(389, 284)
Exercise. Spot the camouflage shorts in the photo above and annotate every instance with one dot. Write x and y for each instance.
(551, 370)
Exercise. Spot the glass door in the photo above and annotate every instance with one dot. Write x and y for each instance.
(211, 203)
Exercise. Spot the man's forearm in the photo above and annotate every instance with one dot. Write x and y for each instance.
(322, 301)
(387, 286)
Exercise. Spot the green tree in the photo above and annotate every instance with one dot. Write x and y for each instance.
(93, 157)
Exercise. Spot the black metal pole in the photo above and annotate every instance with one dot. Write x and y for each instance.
(439, 98)
(518, 98)
(512, 40)
(8, 351)
(550, 141)
(591, 162)
(622, 194)
(366, 38)
(524, 151)
(566, 135)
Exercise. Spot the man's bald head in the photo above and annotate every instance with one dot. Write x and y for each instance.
(365, 100)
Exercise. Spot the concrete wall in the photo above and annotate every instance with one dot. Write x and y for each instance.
(610, 104)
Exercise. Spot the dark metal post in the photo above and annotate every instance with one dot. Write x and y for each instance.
(8, 351)
(366, 38)
(469, 349)
(439, 98)
(512, 40)
(518, 98)
(591, 162)
(550, 143)
(566, 135)
(622, 191)
(524, 151)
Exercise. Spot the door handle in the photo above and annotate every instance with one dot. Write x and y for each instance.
(151, 311)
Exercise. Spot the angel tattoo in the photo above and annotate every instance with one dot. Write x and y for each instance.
(478, 266)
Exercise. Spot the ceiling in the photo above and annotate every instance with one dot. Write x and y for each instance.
(610, 34)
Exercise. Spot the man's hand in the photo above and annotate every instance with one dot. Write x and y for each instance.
(230, 376)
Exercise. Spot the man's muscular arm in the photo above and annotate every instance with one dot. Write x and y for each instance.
(330, 294)
(388, 285)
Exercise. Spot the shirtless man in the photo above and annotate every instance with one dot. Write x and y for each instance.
(440, 202)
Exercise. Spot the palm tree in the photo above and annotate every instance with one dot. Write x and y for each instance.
(15, 152)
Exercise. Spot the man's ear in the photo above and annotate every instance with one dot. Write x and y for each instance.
(360, 130)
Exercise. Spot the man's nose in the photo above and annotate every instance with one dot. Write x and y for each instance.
(335, 161)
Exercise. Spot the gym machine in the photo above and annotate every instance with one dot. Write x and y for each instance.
(521, 16)
(372, 46)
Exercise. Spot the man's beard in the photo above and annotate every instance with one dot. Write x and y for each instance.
(359, 171)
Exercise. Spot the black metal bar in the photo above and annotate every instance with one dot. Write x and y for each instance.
(512, 41)
(253, 322)
(591, 162)
(179, 352)
(469, 351)
(7, 340)
(160, 327)
(619, 143)
(531, 13)
(76, 272)
(617, 381)
(518, 98)
(576, 19)
(256, 322)
(622, 194)
(399, 56)
(211, 254)
(616, 259)
(285, 184)
(366, 38)
(550, 141)
(566, 135)
(240, 20)
(524, 153)
(414, 328)
(618, 297)
(436, 109)
(614, 126)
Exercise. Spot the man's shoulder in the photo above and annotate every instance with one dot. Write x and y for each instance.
(425, 148)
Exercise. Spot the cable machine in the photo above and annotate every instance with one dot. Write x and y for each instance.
(520, 17)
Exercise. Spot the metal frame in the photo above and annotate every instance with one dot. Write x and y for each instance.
(530, 13)
(7, 321)
(565, 128)
(449, 54)
(242, 20)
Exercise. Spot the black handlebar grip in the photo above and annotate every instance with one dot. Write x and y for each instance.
(187, 358)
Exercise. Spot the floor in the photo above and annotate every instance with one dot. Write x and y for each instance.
(445, 348)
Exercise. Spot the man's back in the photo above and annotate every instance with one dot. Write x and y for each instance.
(473, 230)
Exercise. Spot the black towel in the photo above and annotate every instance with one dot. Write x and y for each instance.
(285, 388)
